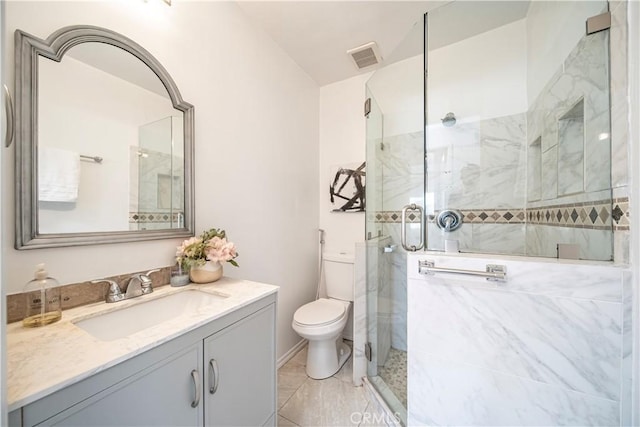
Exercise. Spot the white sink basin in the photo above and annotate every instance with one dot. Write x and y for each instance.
(135, 318)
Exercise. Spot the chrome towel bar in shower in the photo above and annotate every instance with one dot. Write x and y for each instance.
(494, 272)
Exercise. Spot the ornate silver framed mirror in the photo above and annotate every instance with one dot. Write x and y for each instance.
(104, 142)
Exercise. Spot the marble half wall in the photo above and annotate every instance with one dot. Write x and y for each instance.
(546, 347)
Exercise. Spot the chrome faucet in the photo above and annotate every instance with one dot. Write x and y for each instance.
(139, 284)
(134, 288)
(114, 294)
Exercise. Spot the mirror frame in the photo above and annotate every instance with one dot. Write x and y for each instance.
(27, 50)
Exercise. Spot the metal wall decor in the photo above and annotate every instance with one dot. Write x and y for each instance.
(347, 188)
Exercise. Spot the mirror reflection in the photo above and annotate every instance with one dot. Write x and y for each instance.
(157, 176)
(110, 145)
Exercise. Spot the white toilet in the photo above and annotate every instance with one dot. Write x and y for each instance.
(321, 322)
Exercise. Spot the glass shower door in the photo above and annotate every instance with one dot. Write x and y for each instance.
(518, 132)
(495, 114)
(395, 178)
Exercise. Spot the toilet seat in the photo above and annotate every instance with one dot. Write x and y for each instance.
(319, 313)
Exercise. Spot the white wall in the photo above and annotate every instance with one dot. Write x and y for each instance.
(256, 148)
(481, 77)
(398, 89)
(342, 141)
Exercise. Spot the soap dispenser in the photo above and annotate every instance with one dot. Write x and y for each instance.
(43, 300)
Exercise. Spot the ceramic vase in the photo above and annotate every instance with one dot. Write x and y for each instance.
(207, 273)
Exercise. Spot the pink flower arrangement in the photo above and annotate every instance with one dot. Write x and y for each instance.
(212, 245)
(218, 249)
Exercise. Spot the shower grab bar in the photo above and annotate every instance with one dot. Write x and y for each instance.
(493, 273)
(403, 227)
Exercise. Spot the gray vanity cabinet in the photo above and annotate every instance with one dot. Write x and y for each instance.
(160, 395)
(239, 363)
(220, 374)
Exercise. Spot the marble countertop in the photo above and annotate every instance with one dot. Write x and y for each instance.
(41, 361)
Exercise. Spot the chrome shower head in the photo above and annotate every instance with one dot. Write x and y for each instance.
(449, 120)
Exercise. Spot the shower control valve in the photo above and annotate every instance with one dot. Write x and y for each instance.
(449, 219)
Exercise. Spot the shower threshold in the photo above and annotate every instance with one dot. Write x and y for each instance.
(396, 413)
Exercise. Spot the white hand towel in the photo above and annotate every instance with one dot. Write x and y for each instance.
(58, 175)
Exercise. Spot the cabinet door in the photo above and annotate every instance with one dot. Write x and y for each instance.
(240, 372)
(160, 395)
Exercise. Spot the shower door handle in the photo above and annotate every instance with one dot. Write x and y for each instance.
(403, 227)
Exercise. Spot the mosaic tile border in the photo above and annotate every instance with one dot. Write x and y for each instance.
(598, 215)
(154, 217)
(475, 216)
(589, 215)
(391, 217)
(620, 213)
(494, 216)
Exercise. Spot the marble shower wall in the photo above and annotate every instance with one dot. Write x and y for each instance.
(569, 154)
(157, 188)
(478, 167)
(536, 350)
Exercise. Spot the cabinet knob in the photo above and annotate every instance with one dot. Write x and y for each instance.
(196, 387)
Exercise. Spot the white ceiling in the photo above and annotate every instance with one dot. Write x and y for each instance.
(317, 34)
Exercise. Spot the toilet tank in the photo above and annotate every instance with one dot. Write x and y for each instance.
(338, 275)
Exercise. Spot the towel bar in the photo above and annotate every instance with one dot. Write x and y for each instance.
(494, 272)
(96, 159)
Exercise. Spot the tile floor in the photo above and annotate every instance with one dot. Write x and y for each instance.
(334, 401)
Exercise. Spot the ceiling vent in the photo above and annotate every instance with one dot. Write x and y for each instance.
(366, 55)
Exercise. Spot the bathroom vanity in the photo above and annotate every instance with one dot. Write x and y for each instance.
(209, 362)
(190, 356)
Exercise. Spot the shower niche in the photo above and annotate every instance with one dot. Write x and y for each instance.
(569, 122)
(571, 151)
